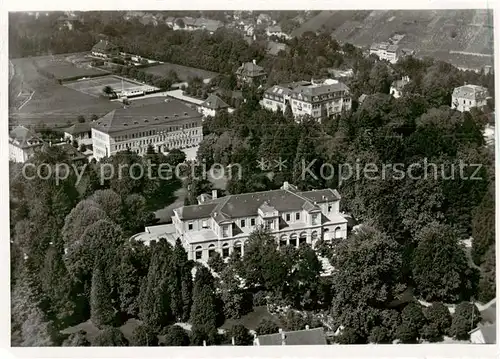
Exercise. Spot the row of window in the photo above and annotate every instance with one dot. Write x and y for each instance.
(157, 131)
(145, 142)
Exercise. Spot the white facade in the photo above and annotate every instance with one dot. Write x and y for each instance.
(468, 96)
(212, 231)
(386, 51)
(317, 100)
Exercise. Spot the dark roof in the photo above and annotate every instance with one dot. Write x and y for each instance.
(299, 337)
(248, 204)
(78, 128)
(214, 102)
(104, 46)
(146, 116)
(24, 138)
(250, 69)
(72, 152)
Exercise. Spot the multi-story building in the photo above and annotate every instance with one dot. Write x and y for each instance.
(105, 49)
(277, 31)
(397, 86)
(250, 72)
(318, 99)
(212, 105)
(80, 132)
(23, 143)
(165, 126)
(386, 51)
(468, 96)
(223, 224)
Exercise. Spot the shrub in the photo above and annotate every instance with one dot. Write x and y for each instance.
(439, 317)
(260, 298)
(267, 326)
(379, 335)
(464, 319)
(175, 336)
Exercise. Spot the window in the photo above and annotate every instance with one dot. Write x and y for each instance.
(252, 221)
(297, 216)
(198, 252)
(288, 217)
(242, 223)
(329, 208)
(204, 224)
(225, 250)
(190, 226)
(314, 219)
(225, 231)
(237, 248)
(211, 250)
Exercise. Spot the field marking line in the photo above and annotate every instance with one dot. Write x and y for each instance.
(25, 102)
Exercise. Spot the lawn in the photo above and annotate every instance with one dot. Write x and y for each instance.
(49, 102)
(94, 86)
(183, 72)
(61, 69)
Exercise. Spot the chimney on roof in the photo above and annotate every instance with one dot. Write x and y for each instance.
(214, 193)
(254, 62)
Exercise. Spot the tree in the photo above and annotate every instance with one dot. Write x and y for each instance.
(203, 311)
(216, 262)
(377, 260)
(81, 119)
(144, 336)
(379, 335)
(78, 339)
(108, 91)
(431, 333)
(349, 336)
(487, 283)
(241, 335)
(439, 317)
(109, 337)
(102, 312)
(483, 226)
(175, 336)
(440, 267)
(406, 333)
(267, 326)
(94, 117)
(464, 319)
(413, 317)
(175, 157)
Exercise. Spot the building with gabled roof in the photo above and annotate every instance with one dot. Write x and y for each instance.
(23, 143)
(223, 224)
(81, 132)
(386, 51)
(306, 336)
(468, 96)
(105, 49)
(318, 99)
(250, 72)
(165, 126)
(212, 105)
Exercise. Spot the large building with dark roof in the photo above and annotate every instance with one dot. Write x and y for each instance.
(165, 125)
(318, 99)
(223, 224)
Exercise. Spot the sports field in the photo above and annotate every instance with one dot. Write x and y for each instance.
(94, 86)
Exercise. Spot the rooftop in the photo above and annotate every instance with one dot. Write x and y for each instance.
(78, 128)
(104, 46)
(470, 92)
(135, 117)
(299, 337)
(248, 204)
(250, 69)
(214, 102)
(384, 46)
(24, 138)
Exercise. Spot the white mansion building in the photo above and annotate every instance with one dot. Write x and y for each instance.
(468, 96)
(224, 224)
(165, 126)
(318, 99)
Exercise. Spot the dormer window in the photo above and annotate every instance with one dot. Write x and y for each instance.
(190, 226)
(252, 222)
(329, 208)
(288, 217)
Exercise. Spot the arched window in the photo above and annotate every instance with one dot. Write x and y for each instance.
(237, 247)
(225, 250)
(198, 253)
(337, 233)
(314, 236)
(211, 250)
(293, 240)
(303, 238)
(283, 241)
